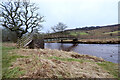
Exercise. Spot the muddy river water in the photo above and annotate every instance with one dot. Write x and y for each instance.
(109, 52)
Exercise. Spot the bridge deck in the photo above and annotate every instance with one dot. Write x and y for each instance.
(25, 41)
(58, 36)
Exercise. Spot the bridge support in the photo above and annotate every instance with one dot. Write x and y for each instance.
(61, 41)
(37, 42)
(75, 39)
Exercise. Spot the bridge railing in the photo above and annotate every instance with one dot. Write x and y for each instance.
(58, 36)
(23, 41)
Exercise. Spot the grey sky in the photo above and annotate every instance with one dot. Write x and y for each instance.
(78, 13)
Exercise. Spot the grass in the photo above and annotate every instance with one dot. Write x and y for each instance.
(112, 68)
(66, 59)
(7, 59)
(78, 33)
(118, 36)
(73, 34)
(83, 33)
(14, 73)
(112, 32)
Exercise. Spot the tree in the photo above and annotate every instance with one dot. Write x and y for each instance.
(60, 27)
(48, 32)
(20, 17)
(8, 35)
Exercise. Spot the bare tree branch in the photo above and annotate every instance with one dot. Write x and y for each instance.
(60, 27)
(20, 17)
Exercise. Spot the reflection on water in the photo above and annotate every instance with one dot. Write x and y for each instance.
(67, 48)
(61, 46)
(108, 52)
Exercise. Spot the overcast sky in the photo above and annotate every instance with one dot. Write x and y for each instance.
(78, 13)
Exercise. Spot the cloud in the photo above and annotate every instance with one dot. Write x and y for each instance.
(78, 13)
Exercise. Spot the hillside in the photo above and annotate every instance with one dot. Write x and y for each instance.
(94, 27)
(99, 32)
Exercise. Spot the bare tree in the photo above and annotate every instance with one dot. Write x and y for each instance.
(60, 27)
(54, 29)
(48, 32)
(20, 17)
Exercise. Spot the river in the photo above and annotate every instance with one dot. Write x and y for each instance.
(108, 52)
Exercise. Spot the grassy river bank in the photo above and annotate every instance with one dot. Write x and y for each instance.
(47, 63)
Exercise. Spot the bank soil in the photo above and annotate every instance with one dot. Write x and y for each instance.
(47, 63)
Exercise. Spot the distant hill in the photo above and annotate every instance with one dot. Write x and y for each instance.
(93, 27)
(96, 32)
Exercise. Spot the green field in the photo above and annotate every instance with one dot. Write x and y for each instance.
(112, 32)
(78, 33)
(105, 32)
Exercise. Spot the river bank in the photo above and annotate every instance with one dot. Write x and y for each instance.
(93, 41)
(90, 41)
(47, 63)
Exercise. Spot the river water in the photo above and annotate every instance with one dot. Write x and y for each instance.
(108, 52)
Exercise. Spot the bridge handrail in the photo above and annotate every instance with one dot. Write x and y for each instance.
(23, 40)
(57, 36)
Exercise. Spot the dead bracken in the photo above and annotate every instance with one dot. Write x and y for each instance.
(47, 63)
(96, 59)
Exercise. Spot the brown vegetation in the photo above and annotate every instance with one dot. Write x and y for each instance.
(46, 63)
(94, 41)
(9, 44)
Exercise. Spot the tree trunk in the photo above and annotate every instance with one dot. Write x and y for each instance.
(19, 35)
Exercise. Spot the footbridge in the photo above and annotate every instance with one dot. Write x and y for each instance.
(37, 41)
